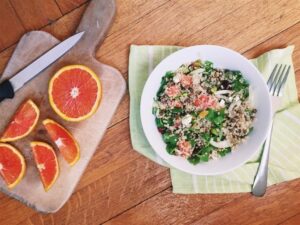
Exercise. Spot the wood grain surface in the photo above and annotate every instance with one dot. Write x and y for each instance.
(10, 25)
(122, 187)
(35, 14)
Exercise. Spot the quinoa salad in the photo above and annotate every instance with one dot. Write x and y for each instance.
(203, 112)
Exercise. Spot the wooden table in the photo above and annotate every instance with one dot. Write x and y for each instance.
(120, 186)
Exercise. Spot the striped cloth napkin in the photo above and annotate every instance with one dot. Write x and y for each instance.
(285, 151)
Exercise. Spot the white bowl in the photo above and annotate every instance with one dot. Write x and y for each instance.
(221, 58)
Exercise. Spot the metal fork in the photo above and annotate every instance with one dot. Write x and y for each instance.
(276, 83)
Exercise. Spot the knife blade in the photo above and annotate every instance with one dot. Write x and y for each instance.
(9, 87)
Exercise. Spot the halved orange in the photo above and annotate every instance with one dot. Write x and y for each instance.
(64, 141)
(46, 162)
(75, 92)
(22, 123)
(12, 165)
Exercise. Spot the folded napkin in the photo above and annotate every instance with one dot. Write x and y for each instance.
(285, 152)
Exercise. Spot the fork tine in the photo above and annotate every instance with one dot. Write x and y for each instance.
(270, 80)
(281, 86)
(274, 81)
(278, 81)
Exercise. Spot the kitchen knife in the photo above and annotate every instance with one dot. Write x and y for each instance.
(9, 87)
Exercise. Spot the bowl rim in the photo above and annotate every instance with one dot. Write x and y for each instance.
(268, 106)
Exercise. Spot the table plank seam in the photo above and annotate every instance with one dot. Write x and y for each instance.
(54, 21)
(266, 40)
(60, 8)
(224, 15)
(282, 222)
(144, 200)
(18, 17)
(219, 208)
(215, 21)
(120, 121)
(236, 10)
(136, 21)
(66, 14)
(42, 27)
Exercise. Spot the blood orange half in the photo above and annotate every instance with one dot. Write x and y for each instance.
(46, 162)
(64, 141)
(12, 165)
(22, 123)
(75, 92)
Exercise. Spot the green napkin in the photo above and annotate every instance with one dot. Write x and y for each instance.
(285, 152)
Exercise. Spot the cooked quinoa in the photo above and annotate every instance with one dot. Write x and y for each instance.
(203, 112)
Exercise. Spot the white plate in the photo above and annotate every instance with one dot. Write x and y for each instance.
(222, 58)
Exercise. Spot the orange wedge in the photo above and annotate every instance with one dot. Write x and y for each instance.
(64, 141)
(12, 165)
(46, 162)
(22, 123)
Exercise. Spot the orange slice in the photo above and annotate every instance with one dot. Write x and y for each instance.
(46, 162)
(22, 123)
(64, 141)
(75, 92)
(12, 165)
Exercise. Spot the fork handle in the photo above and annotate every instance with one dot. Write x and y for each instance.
(260, 182)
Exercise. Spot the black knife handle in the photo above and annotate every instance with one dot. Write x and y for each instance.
(6, 90)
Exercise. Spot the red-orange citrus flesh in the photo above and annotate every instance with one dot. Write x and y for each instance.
(22, 123)
(75, 92)
(12, 165)
(46, 162)
(64, 141)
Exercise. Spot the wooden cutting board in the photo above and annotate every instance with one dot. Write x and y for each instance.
(95, 22)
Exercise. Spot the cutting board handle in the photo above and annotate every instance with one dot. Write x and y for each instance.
(95, 22)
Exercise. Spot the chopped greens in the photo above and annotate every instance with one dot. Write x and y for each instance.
(203, 112)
